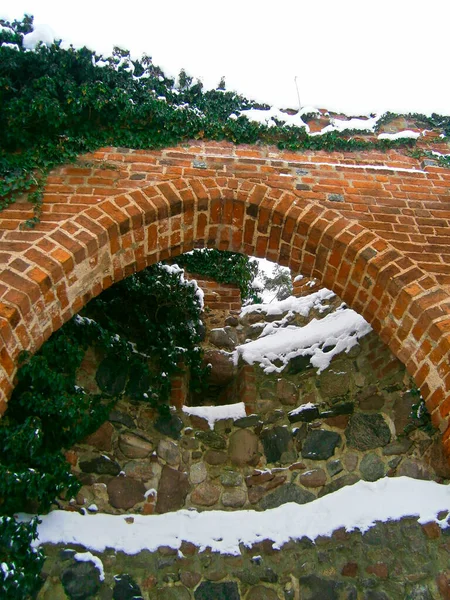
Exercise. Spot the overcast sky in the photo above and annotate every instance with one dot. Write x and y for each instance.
(351, 56)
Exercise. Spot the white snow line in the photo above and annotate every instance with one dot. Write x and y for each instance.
(217, 413)
(89, 557)
(358, 506)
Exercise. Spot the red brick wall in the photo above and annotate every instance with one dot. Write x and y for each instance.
(373, 227)
(218, 296)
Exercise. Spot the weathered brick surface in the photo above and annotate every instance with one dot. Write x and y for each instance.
(372, 226)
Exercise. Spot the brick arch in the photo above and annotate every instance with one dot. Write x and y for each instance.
(81, 248)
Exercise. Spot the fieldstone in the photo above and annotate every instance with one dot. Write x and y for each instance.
(222, 370)
(372, 467)
(100, 495)
(398, 446)
(276, 441)
(261, 592)
(298, 364)
(350, 461)
(213, 457)
(373, 402)
(334, 467)
(320, 444)
(227, 590)
(289, 492)
(438, 460)
(367, 431)
(190, 578)
(199, 423)
(81, 580)
(126, 588)
(223, 337)
(102, 438)
(205, 494)
(333, 383)
(234, 498)
(211, 439)
(243, 447)
(410, 468)
(171, 426)
(198, 473)
(305, 414)
(102, 465)
(337, 484)
(232, 321)
(172, 490)
(316, 588)
(250, 421)
(338, 410)
(133, 446)
(286, 392)
(402, 412)
(52, 590)
(177, 592)
(189, 443)
(124, 493)
(123, 418)
(169, 452)
(267, 390)
(144, 470)
(314, 478)
(231, 479)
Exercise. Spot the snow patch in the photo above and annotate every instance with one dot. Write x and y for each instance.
(399, 135)
(217, 413)
(358, 507)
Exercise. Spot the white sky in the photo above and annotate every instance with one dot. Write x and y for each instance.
(351, 56)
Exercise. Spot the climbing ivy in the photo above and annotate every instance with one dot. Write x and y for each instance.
(59, 103)
(146, 328)
(224, 267)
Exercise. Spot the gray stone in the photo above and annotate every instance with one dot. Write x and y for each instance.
(177, 592)
(169, 452)
(222, 370)
(314, 478)
(243, 447)
(133, 446)
(298, 364)
(170, 426)
(373, 402)
(410, 468)
(306, 415)
(334, 383)
(124, 492)
(144, 470)
(334, 467)
(350, 461)
(276, 441)
(399, 446)
(172, 490)
(234, 498)
(205, 494)
(231, 479)
(232, 321)
(225, 337)
(198, 473)
(81, 580)
(119, 417)
(289, 492)
(211, 439)
(316, 588)
(125, 588)
(213, 457)
(261, 592)
(372, 467)
(335, 198)
(250, 421)
(286, 392)
(367, 431)
(102, 465)
(217, 591)
(338, 483)
(320, 444)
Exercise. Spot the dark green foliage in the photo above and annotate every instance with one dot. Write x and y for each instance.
(145, 326)
(224, 267)
(20, 576)
(57, 104)
(419, 414)
(280, 282)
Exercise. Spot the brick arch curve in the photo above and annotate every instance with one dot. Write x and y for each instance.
(74, 254)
